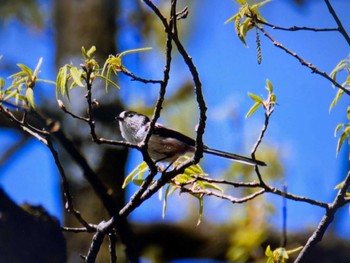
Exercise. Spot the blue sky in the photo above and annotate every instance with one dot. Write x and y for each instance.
(301, 127)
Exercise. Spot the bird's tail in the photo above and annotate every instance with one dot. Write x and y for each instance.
(234, 157)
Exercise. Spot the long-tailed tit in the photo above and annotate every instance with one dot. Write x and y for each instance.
(165, 144)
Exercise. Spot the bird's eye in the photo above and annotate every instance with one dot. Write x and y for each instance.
(130, 114)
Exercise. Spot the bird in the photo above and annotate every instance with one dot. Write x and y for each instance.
(167, 145)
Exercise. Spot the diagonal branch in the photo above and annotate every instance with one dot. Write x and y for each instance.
(327, 219)
(303, 62)
(341, 29)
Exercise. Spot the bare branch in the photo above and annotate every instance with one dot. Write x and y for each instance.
(303, 62)
(341, 29)
(327, 219)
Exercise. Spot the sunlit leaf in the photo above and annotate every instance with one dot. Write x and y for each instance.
(133, 51)
(241, 2)
(253, 109)
(340, 66)
(30, 97)
(255, 97)
(108, 81)
(233, 18)
(258, 5)
(201, 208)
(339, 126)
(76, 75)
(10, 95)
(91, 51)
(212, 186)
(62, 82)
(269, 86)
(339, 94)
(338, 186)
(2, 83)
(342, 138)
(169, 190)
(139, 170)
(25, 69)
(84, 53)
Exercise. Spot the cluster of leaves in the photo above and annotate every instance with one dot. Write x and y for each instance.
(343, 65)
(280, 254)
(21, 91)
(244, 19)
(90, 70)
(185, 182)
(259, 101)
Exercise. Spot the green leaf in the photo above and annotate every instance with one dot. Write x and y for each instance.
(348, 113)
(62, 82)
(233, 18)
(255, 97)
(342, 138)
(108, 81)
(83, 52)
(76, 75)
(212, 186)
(201, 208)
(25, 69)
(133, 51)
(91, 51)
(10, 95)
(30, 97)
(258, 5)
(291, 251)
(2, 83)
(253, 109)
(340, 185)
(268, 251)
(269, 86)
(339, 94)
(139, 170)
(165, 201)
(241, 2)
(339, 126)
(340, 66)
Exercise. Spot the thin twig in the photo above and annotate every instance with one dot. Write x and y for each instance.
(112, 247)
(303, 62)
(65, 186)
(295, 28)
(341, 29)
(327, 219)
(136, 78)
(220, 195)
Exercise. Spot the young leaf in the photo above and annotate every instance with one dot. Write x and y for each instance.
(201, 208)
(165, 201)
(30, 97)
(108, 81)
(2, 83)
(84, 53)
(269, 86)
(342, 139)
(255, 97)
(339, 94)
(25, 69)
(253, 109)
(133, 51)
(91, 51)
(339, 126)
(76, 75)
(140, 169)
